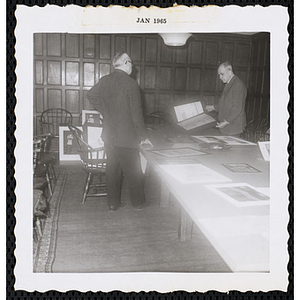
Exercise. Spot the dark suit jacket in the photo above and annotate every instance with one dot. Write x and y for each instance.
(117, 97)
(232, 106)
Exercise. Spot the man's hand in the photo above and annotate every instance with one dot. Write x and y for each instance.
(222, 124)
(146, 144)
(209, 108)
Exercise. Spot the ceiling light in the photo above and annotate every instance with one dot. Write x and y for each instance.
(175, 39)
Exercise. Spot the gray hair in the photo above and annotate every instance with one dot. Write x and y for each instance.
(226, 64)
(119, 59)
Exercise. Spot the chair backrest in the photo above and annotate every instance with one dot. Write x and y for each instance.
(159, 117)
(90, 157)
(51, 119)
(40, 144)
(256, 130)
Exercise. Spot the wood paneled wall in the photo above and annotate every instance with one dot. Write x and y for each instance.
(67, 65)
(258, 100)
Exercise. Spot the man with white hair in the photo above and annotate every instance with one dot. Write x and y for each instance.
(117, 97)
(231, 107)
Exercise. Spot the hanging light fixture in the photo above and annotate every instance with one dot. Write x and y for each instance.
(175, 39)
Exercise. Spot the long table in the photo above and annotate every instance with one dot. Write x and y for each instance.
(239, 234)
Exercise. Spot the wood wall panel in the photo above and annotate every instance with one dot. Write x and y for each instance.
(39, 72)
(179, 99)
(72, 45)
(89, 46)
(165, 78)
(54, 72)
(209, 80)
(253, 81)
(259, 82)
(150, 103)
(39, 95)
(181, 56)
(228, 52)
(255, 54)
(212, 53)
(105, 47)
(89, 74)
(68, 65)
(266, 83)
(166, 55)
(180, 78)
(54, 44)
(72, 101)
(267, 56)
(195, 75)
(54, 98)
(150, 77)
(136, 49)
(196, 52)
(258, 100)
(38, 44)
(151, 50)
(242, 55)
(120, 44)
(165, 103)
(261, 58)
(72, 73)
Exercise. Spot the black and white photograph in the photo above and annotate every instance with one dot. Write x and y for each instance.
(115, 202)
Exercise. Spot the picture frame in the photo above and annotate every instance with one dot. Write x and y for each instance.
(241, 168)
(67, 146)
(93, 113)
(178, 152)
(265, 150)
(241, 194)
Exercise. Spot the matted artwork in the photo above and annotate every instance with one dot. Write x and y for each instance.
(67, 145)
(193, 173)
(229, 140)
(178, 152)
(91, 116)
(240, 194)
(240, 168)
(93, 136)
(265, 150)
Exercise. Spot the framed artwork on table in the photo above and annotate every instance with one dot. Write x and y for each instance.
(241, 194)
(178, 152)
(67, 145)
(92, 116)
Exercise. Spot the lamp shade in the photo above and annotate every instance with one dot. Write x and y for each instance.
(175, 39)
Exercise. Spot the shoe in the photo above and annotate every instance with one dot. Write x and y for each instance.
(141, 207)
(116, 207)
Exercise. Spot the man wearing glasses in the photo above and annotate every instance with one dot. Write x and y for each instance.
(117, 97)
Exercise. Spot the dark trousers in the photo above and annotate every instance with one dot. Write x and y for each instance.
(121, 160)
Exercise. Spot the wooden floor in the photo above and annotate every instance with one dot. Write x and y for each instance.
(91, 239)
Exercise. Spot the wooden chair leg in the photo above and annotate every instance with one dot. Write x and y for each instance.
(38, 228)
(49, 183)
(52, 172)
(86, 188)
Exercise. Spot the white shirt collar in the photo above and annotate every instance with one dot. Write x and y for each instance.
(230, 78)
